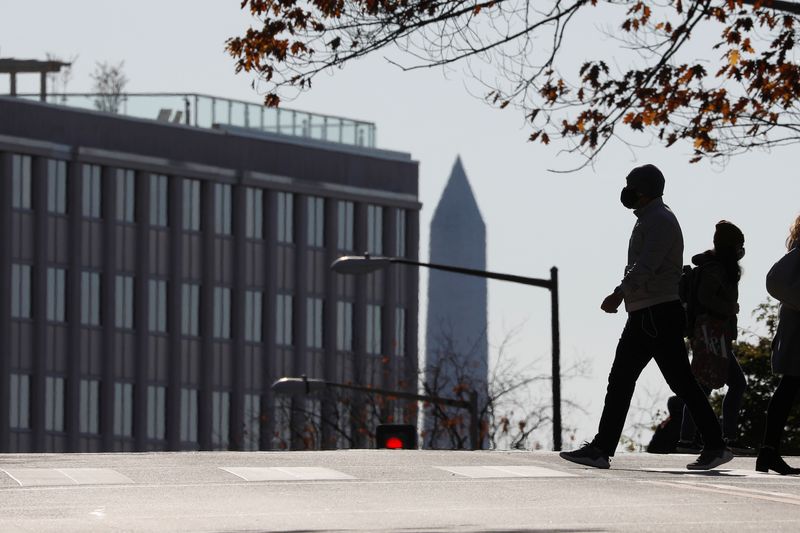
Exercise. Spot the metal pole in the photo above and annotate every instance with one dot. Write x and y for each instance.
(43, 86)
(556, 373)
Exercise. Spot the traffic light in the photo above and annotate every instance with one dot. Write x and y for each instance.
(396, 436)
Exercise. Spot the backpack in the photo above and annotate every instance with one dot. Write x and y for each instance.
(687, 292)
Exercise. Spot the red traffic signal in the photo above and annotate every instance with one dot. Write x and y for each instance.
(396, 436)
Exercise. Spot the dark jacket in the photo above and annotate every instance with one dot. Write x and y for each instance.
(717, 293)
(786, 344)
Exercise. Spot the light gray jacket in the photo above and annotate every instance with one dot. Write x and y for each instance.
(655, 258)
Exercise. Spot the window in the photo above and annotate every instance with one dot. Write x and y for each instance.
(92, 202)
(191, 205)
(285, 214)
(56, 186)
(56, 290)
(255, 213)
(252, 422)
(188, 415)
(155, 411)
(375, 229)
(21, 181)
(158, 200)
(54, 403)
(190, 309)
(220, 405)
(345, 240)
(401, 233)
(88, 415)
(400, 331)
(222, 313)
(222, 208)
(123, 302)
(373, 329)
(314, 322)
(316, 222)
(252, 316)
(283, 326)
(126, 195)
(123, 409)
(90, 298)
(20, 291)
(20, 391)
(344, 326)
(157, 306)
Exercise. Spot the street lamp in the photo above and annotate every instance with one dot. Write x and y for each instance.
(364, 264)
(304, 385)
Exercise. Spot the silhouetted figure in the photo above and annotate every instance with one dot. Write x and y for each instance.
(715, 297)
(786, 361)
(655, 326)
(665, 437)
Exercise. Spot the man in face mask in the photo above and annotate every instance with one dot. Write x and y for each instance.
(654, 328)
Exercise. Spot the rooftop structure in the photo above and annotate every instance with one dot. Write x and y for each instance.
(205, 111)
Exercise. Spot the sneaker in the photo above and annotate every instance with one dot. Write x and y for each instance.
(688, 446)
(711, 459)
(589, 455)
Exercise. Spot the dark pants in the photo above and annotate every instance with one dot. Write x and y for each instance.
(779, 407)
(731, 404)
(654, 333)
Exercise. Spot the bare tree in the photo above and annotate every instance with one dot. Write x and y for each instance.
(515, 407)
(109, 85)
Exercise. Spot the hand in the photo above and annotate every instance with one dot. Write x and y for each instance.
(612, 302)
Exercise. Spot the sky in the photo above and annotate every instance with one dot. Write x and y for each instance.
(535, 219)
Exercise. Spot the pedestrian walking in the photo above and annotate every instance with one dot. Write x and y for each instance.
(655, 326)
(782, 282)
(712, 299)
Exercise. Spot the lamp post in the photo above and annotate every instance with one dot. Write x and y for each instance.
(364, 264)
(304, 385)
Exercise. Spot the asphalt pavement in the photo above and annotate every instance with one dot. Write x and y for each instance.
(387, 490)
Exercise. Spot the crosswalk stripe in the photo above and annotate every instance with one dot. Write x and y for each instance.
(39, 477)
(285, 473)
(504, 471)
(719, 472)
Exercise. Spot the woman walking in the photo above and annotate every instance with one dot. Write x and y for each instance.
(715, 296)
(785, 361)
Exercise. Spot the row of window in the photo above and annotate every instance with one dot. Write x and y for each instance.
(125, 201)
(90, 310)
(155, 427)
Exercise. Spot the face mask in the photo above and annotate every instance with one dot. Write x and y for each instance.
(628, 197)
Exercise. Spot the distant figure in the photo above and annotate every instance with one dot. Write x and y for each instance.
(786, 361)
(655, 326)
(714, 303)
(665, 437)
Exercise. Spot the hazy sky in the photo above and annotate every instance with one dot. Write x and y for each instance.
(535, 219)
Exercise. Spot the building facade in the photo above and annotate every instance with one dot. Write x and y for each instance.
(156, 278)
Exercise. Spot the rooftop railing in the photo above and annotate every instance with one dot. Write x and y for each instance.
(205, 111)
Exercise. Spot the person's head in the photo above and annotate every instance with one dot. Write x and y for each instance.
(643, 184)
(729, 247)
(794, 234)
(728, 240)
